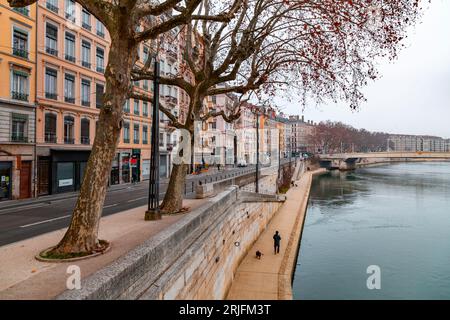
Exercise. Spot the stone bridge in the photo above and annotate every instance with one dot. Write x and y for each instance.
(348, 161)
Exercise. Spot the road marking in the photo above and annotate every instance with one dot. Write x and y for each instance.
(45, 221)
(137, 199)
(111, 205)
(19, 209)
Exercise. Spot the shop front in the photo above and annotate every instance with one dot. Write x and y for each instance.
(67, 170)
(5, 180)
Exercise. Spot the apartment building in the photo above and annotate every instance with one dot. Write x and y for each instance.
(300, 132)
(17, 101)
(72, 55)
(417, 143)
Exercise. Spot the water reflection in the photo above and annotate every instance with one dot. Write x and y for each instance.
(394, 216)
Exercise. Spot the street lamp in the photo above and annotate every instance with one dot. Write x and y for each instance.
(153, 212)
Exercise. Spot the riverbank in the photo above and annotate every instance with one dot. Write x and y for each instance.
(270, 277)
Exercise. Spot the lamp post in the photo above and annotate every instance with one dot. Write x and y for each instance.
(257, 153)
(153, 212)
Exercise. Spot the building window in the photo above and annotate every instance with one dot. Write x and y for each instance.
(145, 109)
(70, 47)
(69, 130)
(126, 132)
(69, 88)
(19, 86)
(126, 107)
(52, 5)
(86, 19)
(145, 86)
(50, 128)
(161, 139)
(136, 107)
(85, 124)
(70, 10)
(100, 29)
(144, 134)
(99, 90)
(19, 128)
(20, 43)
(136, 134)
(85, 92)
(86, 54)
(51, 84)
(51, 39)
(146, 51)
(100, 54)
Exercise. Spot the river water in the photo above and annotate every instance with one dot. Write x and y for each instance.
(395, 217)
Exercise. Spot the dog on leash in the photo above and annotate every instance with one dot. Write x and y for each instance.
(258, 254)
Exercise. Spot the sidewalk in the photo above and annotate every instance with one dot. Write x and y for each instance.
(23, 277)
(270, 277)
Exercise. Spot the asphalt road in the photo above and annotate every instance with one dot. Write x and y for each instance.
(34, 218)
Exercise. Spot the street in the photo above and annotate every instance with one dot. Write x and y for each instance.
(35, 217)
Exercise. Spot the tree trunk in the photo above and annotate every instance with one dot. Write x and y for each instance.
(173, 199)
(82, 234)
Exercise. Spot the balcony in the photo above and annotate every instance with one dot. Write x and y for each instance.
(20, 52)
(86, 26)
(51, 95)
(69, 58)
(85, 103)
(51, 51)
(24, 11)
(86, 64)
(100, 69)
(50, 137)
(52, 7)
(171, 100)
(19, 96)
(19, 138)
(68, 140)
(70, 17)
(172, 54)
(85, 140)
(69, 99)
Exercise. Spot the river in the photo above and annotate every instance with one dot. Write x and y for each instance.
(395, 217)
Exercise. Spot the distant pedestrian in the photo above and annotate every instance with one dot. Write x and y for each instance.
(276, 242)
(218, 167)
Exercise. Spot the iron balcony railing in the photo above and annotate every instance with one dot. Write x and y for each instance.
(52, 7)
(86, 64)
(85, 140)
(69, 99)
(19, 138)
(86, 26)
(50, 137)
(51, 95)
(86, 103)
(20, 52)
(19, 96)
(51, 51)
(69, 57)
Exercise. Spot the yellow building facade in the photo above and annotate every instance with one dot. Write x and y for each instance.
(17, 101)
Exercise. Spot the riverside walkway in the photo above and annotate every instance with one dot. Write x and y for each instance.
(270, 278)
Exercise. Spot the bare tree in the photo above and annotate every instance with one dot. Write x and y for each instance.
(320, 49)
(129, 23)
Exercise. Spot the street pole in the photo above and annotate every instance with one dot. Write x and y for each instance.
(279, 159)
(257, 153)
(153, 212)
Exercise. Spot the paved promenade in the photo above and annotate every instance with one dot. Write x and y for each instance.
(23, 277)
(270, 277)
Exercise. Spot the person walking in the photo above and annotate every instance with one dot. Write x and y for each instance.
(276, 242)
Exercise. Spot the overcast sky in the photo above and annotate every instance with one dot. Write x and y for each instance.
(413, 94)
